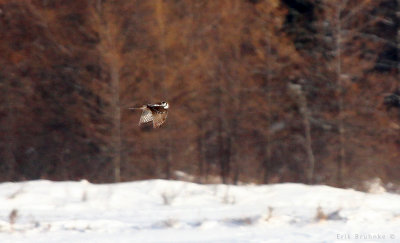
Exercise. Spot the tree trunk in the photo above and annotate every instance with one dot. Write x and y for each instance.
(200, 152)
(116, 134)
(339, 92)
(398, 44)
(221, 139)
(304, 111)
(109, 50)
(310, 153)
(267, 157)
(9, 150)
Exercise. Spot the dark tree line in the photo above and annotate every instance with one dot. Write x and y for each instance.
(260, 91)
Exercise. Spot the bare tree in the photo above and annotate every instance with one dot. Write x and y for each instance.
(344, 14)
(398, 42)
(301, 101)
(105, 19)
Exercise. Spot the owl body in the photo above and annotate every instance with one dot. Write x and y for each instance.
(156, 113)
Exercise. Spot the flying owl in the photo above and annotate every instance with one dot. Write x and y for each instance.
(156, 113)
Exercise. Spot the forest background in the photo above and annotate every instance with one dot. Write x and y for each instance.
(259, 91)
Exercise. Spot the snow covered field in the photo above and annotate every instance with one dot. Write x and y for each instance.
(175, 211)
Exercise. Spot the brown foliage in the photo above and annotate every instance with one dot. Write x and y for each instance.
(70, 69)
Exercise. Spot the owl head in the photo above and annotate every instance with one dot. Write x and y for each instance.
(165, 105)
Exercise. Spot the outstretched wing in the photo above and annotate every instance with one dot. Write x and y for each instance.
(146, 116)
(159, 118)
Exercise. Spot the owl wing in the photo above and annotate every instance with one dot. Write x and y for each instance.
(159, 119)
(146, 116)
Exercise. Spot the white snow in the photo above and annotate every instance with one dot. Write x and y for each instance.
(176, 211)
